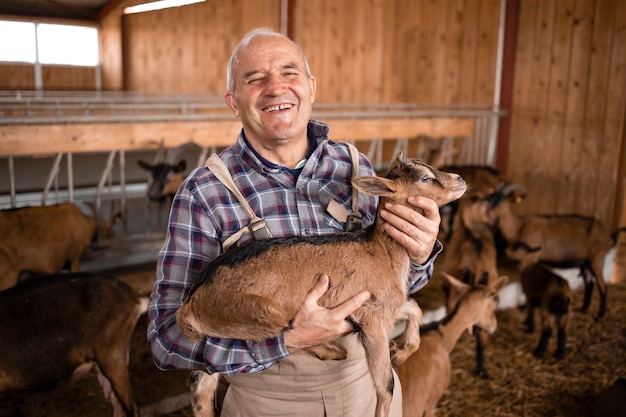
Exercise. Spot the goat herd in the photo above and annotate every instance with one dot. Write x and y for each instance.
(60, 325)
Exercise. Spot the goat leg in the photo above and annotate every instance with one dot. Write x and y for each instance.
(530, 319)
(543, 342)
(588, 280)
(408, 342)
(596, 272)
(376, 344)
(481, 340)
(560, 344)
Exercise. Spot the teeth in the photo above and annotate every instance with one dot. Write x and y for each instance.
(279, 107)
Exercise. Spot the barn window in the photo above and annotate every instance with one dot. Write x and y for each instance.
(158, 5)
(22, 48)
(46, 43)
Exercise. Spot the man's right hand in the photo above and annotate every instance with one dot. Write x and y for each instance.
(314, 324)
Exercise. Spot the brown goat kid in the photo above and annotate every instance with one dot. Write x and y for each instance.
(471, 255)
(425, 375)
(252, 292)
(552, 295)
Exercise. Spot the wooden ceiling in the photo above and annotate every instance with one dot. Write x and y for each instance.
(65, 9)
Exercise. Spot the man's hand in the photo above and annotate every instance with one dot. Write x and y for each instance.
(313, 324)
(415, 231)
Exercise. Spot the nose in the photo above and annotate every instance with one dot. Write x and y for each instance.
(275, 85)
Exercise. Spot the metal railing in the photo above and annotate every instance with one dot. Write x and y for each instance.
(37, 107)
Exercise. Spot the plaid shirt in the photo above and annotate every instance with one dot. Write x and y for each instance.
(204, 214)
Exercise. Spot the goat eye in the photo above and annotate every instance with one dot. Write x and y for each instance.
(425, 179)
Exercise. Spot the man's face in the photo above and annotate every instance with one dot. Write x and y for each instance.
(273, 94)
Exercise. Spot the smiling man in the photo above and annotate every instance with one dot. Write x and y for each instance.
(289, 171)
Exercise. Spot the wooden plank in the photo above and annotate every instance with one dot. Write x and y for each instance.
(597, 143)
(522, 140)
(486, 50)
(77, 138)
(613, 161)
(540, 182)
(468, 51)
(451, 32)
(553, 119)
(574, 163)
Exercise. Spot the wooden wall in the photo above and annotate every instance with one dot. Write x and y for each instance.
(400, 50)
(360, 51)
(194, 44)
(566, 142)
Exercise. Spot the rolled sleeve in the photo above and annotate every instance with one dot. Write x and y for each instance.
(422, 273)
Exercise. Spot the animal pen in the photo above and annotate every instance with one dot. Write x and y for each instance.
(83, 146)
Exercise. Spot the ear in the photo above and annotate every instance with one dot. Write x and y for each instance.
(375, 185)
(313, 86)
(229, 97)
(145, 165)
(500, 283)
(460, 286)
(180, 167)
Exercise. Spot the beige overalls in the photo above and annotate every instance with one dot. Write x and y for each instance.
(304, 386)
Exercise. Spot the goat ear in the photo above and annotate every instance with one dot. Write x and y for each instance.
(181, 166)
(500, 283)
(374, 185)
(145, 165)
(461, 286)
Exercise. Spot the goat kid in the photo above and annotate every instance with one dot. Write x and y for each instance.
(551, 294)
(471, 255)
(251, 292)
(61, 326)
(425, 375)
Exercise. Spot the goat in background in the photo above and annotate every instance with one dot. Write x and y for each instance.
(426, 374)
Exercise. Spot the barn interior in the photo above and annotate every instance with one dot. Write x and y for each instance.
(535, 89)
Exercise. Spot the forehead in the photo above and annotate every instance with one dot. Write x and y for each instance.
(267, 51)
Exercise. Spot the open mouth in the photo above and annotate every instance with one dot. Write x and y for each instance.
(278, 108)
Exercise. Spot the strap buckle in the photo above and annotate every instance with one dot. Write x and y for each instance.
(353, 222)
(259, 230)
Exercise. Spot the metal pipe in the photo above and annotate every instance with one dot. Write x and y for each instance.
(54, 171)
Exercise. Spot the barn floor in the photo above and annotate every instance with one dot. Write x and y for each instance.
(520, 384)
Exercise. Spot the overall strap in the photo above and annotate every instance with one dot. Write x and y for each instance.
(257, 225)
(352, 220)
(258, 228)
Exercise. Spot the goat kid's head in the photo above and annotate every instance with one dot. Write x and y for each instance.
(165, 178)
(485, 297)
(411, 177)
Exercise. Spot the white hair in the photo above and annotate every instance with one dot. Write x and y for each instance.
(253, 34)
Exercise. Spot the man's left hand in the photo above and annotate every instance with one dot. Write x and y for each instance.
(415, 231)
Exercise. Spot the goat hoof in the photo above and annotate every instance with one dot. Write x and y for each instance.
(559, 354)
(538, 353)
(482, 373)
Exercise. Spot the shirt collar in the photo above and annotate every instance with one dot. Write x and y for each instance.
(315, 131)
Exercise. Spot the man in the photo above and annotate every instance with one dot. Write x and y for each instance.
(289, 171)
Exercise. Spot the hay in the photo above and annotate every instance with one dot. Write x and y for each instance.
(522, 385)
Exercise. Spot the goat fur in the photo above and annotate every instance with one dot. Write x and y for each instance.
(552, 295)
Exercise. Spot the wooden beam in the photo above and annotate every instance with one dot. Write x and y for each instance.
(40, 139)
